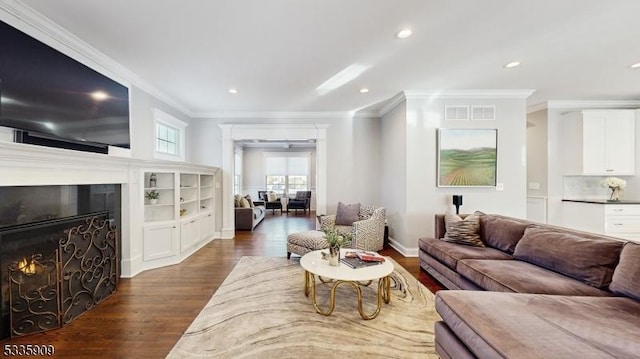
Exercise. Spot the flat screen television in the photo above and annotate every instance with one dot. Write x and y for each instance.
(54, 100)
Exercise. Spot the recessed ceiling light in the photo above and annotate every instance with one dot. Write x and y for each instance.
(635, 66)
(404, 33)
(233, 91)
(512, 64)
(364, 90)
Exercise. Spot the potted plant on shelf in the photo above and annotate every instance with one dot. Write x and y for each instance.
(335, 239)
(152, 196)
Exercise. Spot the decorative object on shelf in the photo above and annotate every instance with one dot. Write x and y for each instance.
(616, 185)
(153, 181)
(152, 196)
(467, 157)
(335, 240)
(457, 201)
(183, 211)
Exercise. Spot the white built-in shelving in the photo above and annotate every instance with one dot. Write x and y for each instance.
(182, 220)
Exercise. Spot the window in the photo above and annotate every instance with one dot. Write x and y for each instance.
(166, 139)
(287, 173)
(169, 137)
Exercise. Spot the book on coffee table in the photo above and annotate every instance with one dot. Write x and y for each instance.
(357, 263)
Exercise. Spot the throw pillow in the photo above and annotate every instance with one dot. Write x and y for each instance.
(463, 231)
(347, 214)
(244, 203)
(236, 201)
(627, 274)
(248, 197)
(271, 197)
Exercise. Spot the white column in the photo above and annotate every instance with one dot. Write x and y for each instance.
(321, 169)
(228, 218)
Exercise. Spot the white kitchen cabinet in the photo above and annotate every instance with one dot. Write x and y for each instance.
(604, 143)
(616, 220)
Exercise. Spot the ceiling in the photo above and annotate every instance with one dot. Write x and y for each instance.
(277, 52)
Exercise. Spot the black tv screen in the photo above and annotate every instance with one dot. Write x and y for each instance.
(44, 92)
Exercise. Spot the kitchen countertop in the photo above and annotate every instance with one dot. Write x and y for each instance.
(601, 201)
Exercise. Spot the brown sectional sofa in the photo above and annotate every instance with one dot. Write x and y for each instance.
(535, 291)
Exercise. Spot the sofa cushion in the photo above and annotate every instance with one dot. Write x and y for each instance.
(541, 326)
(626, 277)
(347, 214)
(462, 231)
(591, 260)
(244, 203)
(450, 253)
(501, 233)
(522, 277)
(248, 198)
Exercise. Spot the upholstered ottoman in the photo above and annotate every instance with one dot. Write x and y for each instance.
(304, 242)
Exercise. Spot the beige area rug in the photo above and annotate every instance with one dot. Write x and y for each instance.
(260, 311)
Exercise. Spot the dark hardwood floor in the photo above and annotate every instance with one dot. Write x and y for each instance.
(149, 313)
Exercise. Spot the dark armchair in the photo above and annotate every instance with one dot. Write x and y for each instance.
(301, 201)
(272, 205)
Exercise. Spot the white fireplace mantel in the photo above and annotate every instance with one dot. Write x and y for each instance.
(29, 165)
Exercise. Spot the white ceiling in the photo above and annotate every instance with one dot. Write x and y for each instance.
(277, 52)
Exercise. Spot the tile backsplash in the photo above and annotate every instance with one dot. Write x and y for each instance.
(585, 187)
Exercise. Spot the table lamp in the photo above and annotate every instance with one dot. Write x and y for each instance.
(457, 201)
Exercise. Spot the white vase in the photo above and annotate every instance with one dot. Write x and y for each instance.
(153, 201)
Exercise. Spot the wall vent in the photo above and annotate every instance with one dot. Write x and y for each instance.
(483, 112)
(456, 113)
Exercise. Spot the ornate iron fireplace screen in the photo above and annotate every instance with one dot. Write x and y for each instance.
(51, 292)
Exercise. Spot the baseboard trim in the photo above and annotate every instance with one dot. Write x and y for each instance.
(407, 252)
(227, 233)
(127, 267)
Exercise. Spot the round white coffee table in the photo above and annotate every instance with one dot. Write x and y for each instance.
(314, 265)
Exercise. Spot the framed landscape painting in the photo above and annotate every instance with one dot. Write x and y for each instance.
(467, 157)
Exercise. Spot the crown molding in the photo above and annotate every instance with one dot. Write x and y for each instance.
(393, 103)
(469, 94)
(536, 107)
(36, 25)
(604, 104)
(321, 115)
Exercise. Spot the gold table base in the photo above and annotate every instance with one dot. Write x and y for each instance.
(384, 294)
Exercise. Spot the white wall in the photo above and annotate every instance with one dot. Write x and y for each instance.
(537, 150)
(142, 123)
(353, 148)
(425, 199)
(393, 183)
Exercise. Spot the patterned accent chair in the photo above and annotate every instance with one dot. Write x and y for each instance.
(301, 201)
(367, 232)
(273, 205)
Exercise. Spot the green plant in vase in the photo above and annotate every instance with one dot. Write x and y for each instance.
(335, 239)
(152, 196)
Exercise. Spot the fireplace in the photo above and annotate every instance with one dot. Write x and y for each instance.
(57, 260)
